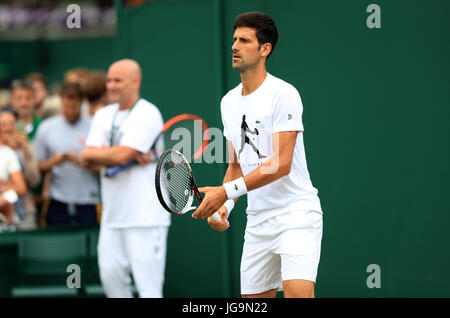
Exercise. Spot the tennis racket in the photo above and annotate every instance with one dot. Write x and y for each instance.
(192, 125)
(175, 184)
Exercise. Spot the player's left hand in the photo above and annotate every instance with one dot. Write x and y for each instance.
(222, 225)
(214, 199)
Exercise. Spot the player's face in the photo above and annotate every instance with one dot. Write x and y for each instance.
(22, 99)
(71, 109)
(246, 49)
(120, 84)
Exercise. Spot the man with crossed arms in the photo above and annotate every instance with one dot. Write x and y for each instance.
(133, 228)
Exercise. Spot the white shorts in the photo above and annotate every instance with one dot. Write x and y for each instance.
(284, 247)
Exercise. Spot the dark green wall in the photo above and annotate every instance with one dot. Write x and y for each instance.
(376, 115)
(55, 57)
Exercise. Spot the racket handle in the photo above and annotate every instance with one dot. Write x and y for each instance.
(110, 172)
(216, 217)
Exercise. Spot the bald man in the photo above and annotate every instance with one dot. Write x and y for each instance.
(133, 229)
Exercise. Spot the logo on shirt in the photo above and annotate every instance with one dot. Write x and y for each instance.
(236, 187)
(82, 141)
(246, 140)
(289, 116)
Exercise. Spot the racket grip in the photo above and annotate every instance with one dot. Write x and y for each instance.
(110, 172)
(216, 217)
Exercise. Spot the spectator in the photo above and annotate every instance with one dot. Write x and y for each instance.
(22, 100)
(73, 190)
(95, 91)
(79, 75)
(25, 207)
(40, 91)
(11, 178)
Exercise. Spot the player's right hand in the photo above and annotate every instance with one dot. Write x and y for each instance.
(220, 226)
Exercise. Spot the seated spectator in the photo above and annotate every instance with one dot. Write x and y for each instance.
(73, 190)
(25, 207)
(22, 100)
(11, 178)
(95, 91)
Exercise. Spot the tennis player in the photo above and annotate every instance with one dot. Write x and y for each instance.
(284, 216)
(133, 228)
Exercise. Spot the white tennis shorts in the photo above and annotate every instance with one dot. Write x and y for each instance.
(284, 247)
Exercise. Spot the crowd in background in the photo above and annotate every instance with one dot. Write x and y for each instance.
(41, 137)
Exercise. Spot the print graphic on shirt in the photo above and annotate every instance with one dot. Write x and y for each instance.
(246, 140)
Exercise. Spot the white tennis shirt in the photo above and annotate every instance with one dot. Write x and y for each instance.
(129, 198)
(275, 106)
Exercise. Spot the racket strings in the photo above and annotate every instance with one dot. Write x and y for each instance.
(175, 183)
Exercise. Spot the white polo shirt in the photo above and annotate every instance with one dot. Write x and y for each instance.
(129, 198)
(249, 123)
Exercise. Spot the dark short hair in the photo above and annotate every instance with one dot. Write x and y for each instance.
(71, 91)
(21, 83)
(9, 109)
(265, 27)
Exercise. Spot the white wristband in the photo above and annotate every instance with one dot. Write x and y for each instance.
(229, 204)
(235, 188)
